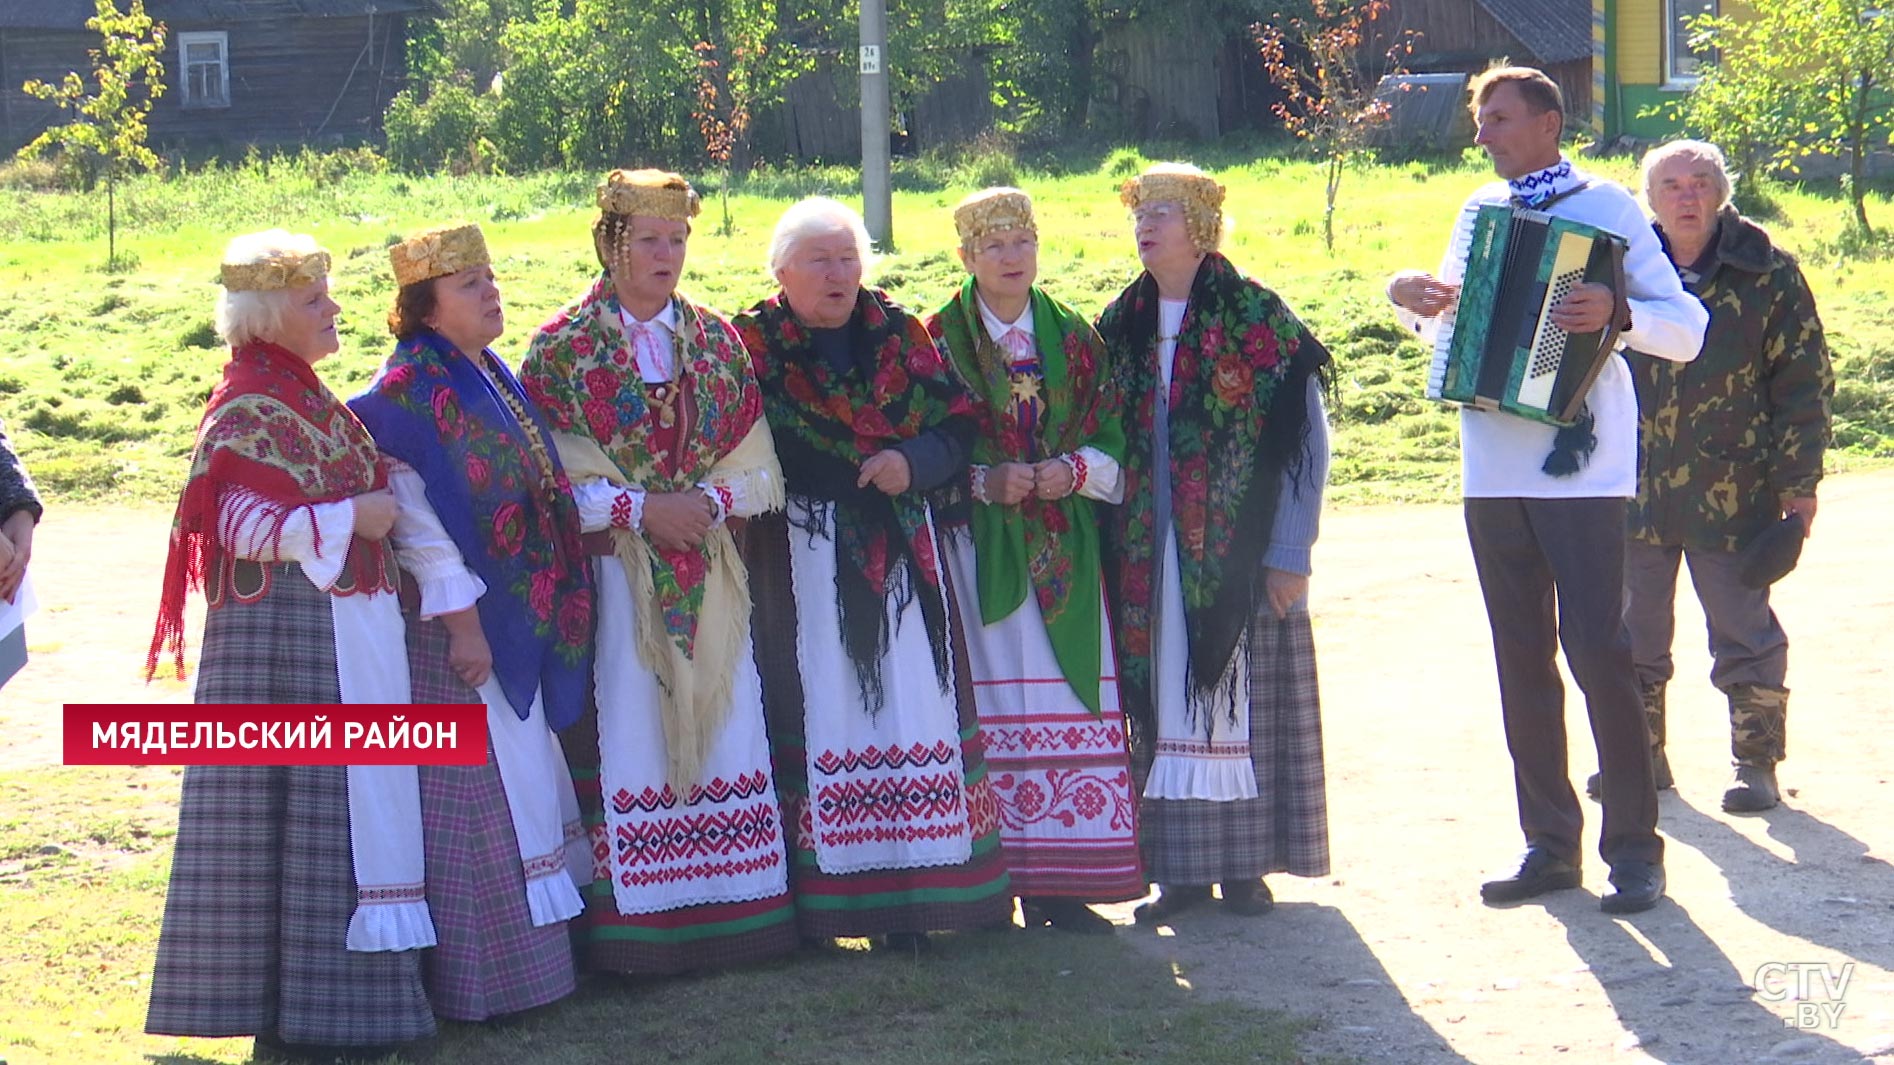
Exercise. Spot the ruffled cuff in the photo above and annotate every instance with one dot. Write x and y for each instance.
(449, 592)
(553, 898)
(722, 499)
(400, 923)
(1104, 478)
(978, 474)
(1226, 778)
(328, 550)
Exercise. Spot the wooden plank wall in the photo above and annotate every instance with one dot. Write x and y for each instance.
(292, 80)
(1165, 83)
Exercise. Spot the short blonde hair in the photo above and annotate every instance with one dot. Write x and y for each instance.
(818, 216)
(1695, 151)
(247, 315)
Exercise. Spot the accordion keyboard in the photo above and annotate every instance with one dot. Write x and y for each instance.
(1443, 349)
(1549, 341)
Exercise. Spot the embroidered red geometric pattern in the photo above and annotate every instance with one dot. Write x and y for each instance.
(896, 800)
(544, 865)
(651, 800)
(710, 834)
(1003, 739)
(893, 757)
(394, 893)
(701, 871)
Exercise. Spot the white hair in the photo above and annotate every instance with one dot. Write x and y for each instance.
(818, 216)
(1697, 152)
(246, 316)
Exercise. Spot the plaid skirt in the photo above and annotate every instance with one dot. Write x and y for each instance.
(490, 960)
(1285, 828)
(263, 875)
(973, 894)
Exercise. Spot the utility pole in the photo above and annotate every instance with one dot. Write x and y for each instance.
(877, 194)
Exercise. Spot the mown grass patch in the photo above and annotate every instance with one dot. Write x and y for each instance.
(102, 376)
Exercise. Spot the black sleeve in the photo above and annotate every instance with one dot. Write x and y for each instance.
(16, 488)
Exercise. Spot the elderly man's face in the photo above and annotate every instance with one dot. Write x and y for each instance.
(308, 322)
(1685, 195)
(822, 278)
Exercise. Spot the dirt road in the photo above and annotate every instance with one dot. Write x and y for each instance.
(1394, 957)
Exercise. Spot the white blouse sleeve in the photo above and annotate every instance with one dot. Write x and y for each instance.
(755, 490)
(424, 549)
(316, 536)
(1104, 480)
(604, 505)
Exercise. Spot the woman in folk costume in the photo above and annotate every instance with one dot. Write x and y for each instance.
(877, 750)
(297, 902)
(488, 530)
(1207, 562)
(659, 423)
(1026, 571)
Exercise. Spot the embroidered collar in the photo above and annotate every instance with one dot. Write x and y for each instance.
(1540, 185)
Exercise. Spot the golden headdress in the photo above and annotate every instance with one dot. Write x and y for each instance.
(654, 193)
(438, 252)
(992, 211)
(1201, 196)
(281, 270)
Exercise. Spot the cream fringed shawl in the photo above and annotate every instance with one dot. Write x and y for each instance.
(696, 690)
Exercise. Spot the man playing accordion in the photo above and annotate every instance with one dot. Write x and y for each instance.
(1545, 508)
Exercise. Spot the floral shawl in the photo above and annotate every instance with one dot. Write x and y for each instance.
(502, 496)
(1050, 546)
(580, 372)
(1238, 418)
(273, 427)
(826, 425)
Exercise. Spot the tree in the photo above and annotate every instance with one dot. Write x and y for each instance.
(1793, 78)
(1328, 98)
(107, 130)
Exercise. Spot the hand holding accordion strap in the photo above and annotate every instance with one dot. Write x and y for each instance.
(1573, 444)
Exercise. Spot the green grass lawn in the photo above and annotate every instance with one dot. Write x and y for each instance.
(103, 375)
(84, 854)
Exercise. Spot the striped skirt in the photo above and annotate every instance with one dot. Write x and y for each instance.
(972, 894)
(1285, 828)
(262, 879)
(490, 959)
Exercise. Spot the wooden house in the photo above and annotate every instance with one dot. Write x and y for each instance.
(1645, 62)
(1470, 35)
(236, 71)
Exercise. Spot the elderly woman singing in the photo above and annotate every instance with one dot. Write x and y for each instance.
(489, 531)
(1207, 562)
(296, 903)
(865, 678)
(659, 421)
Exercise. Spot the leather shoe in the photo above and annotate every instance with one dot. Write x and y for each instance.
(1172, 901)
(1539, 872)
(1248, 898)
(1638, 886)
(1752, 790)
(1065, 915)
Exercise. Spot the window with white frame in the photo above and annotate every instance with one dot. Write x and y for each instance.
(1682, 63)
(204, 63)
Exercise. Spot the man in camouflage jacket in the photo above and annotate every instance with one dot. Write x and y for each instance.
(19, 514)
(1728, 445)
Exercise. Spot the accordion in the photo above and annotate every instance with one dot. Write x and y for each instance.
(1500, 350)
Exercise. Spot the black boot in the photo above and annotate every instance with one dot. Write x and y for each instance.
(1172, 901)
(1758, 740)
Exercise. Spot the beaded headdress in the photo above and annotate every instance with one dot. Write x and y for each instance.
(992, 211)
(1201, 197)
(438, 252)
(283, 269)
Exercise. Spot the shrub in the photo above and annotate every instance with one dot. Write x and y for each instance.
(442, 131)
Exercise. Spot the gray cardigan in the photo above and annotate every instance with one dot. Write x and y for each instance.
(16, 488)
